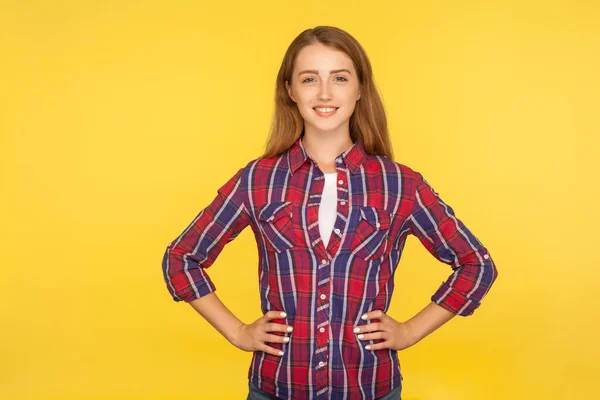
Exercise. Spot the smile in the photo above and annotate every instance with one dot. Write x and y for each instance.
(326, 111)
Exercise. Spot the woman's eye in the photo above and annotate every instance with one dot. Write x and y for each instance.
(343, 79)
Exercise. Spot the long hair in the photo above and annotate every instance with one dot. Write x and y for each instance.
(368, 122)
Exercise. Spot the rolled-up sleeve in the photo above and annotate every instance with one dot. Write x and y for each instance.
(198, 246)
(434, 223)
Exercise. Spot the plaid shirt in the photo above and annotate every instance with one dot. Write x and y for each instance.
(324, 291)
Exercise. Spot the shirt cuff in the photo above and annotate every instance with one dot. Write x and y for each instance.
(454, 301)
(186, 290)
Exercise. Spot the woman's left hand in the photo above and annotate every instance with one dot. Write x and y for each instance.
(395, 335)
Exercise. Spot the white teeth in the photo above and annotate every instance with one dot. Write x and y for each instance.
(324, 109)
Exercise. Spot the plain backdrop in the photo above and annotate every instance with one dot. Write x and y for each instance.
(120, 119)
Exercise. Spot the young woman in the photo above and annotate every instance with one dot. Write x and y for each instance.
(330, 211)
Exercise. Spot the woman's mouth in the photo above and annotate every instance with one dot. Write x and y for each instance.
(325, 111)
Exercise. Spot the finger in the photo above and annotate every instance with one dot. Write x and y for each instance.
(272, 327)
(379, 346)
(269, 350)
(375, 314)
(372, 336)
(276, 339)
(269, 315)
(375, 326)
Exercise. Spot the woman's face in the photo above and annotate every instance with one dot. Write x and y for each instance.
(324, 79)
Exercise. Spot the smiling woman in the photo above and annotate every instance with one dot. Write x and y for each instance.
(314, 91)
(326, 68)
(331, 211)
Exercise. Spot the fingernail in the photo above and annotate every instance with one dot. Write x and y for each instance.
(281, 352)
(364, 316)
(289, 329)
(286, 339)
(361, 336)
(368, 347)
(356, 330)
(283, 314)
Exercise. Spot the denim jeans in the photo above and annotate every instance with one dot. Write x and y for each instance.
(257, 394)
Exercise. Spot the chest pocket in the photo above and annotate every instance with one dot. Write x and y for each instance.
(371, 238)
(276, 225)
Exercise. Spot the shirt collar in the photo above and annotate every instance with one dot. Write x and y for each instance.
(353, 157)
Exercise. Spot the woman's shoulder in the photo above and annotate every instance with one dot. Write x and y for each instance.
(262, 163)
(383, 164)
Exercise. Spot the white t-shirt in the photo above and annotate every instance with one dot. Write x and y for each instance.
(328, 207)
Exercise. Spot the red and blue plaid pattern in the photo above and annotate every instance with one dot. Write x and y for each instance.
(324, 291)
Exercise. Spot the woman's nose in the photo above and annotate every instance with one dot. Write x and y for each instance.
(324, 93)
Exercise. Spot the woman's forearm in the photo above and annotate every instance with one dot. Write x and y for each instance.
(428, 320)
(218, 315)
(225, 322)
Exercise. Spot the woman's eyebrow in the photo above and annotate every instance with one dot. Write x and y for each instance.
(314, 71)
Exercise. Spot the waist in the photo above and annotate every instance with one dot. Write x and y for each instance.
(348, 371)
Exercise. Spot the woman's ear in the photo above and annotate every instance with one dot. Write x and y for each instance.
(289, 90)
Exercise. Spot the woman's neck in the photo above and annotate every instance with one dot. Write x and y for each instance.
(324, 149)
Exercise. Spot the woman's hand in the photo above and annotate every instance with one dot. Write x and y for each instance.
(395, 335)
(252, 337)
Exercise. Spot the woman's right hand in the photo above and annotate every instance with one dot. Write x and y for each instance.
(252, 337)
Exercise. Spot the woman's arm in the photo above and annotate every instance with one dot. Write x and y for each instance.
(428, 320)
(218, 315)
(447, 238)
(251, 337)
(401, 335)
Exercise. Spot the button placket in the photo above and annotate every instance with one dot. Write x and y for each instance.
(342, 207)
(321, 343)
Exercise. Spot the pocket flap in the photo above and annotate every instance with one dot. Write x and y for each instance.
(378, 217)
(275, 210)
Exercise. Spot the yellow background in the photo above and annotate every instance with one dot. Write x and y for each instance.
(120, 119)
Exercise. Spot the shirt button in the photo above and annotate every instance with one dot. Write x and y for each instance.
(343, 202)
(341, 182)
(323, 297)
(337, 231)
(321, 329)
(378, 224)
(323, 261)
(338, 160)
(321, 363)
(486, 256)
